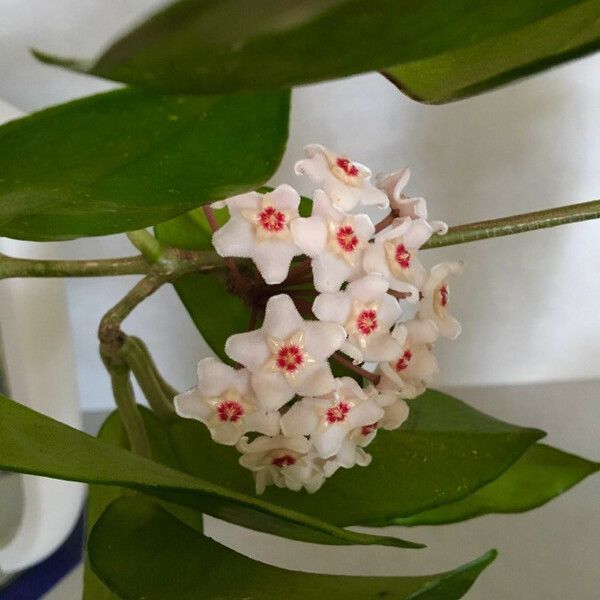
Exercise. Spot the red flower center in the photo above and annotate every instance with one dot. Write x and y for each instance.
(229, 410)
(444, 293)
(368, 429)
(346, 238)
(337, 413)
(347, 166)
(285, 460)
(366, 322)
(289, 358)
(403, 361)
(402, 256)
(271, 219)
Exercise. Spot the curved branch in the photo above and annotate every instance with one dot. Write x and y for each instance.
(541, 219)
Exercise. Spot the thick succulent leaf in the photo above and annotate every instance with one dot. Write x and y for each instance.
(565, 35)
(214, 46)
(541, 474)
(142, 551)
(444, 452)
(33, 443)
(125, 159)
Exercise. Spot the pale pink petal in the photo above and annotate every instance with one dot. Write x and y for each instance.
(214, 377)
(272, 389)
(332, 307)
(249, 349)
(322, 339)
(375, 261)
(327, 442)
(273, 258)
(330, 272)
(381, 346)
(190, 406)
(300, 419)
(323, 206)
(309, 234)
(389, 312)
(395, 415)
(226, 433)
(368, 288)
(285, 197)
(421, 331)
(314, 379)
(349, 388)
(364, 227)
(263, 422)
(282, 318)
(419, 232)
(393, 183)
(235, 238)
(247, 201)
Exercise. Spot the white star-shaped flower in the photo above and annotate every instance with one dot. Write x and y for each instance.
(367, 312)
(224, 401)
(259, 229)
(330, 419)
(413, 367)
(345, 181)
(286, 462)
(287, 355)
(393, 185)
(334, 241)
(393, 255)
(436, 294)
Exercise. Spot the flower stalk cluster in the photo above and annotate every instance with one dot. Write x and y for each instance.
(360, 297)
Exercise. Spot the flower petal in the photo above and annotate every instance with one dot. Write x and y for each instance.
(235, 238)
(309, 234)
(272, 389)
(381, 347)
(214, 377)
(368, 288)
(263, 422)
(273, 258)
(322, 339)
(285, 197)
(314, 379)
(332, 307)
(190, 406)
(282, 318)
(329, 272)
(300, 419)
(249, 349)
(389, 312)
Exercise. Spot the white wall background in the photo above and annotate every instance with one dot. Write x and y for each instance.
(529, 304)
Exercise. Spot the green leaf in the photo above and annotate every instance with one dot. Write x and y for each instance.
(124, 160)
(143, 552)
(444, 452)
(565, 35)
(541, 474)
(211, 46)
(33, 443)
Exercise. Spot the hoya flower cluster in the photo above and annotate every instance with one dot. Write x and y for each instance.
(291, 419)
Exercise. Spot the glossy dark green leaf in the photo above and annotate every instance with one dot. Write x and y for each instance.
(125, 159)
(564, 35)
(541, 474)
(444, 452)
(33, 443)
(143, 552)
(214, 46)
